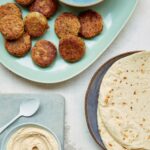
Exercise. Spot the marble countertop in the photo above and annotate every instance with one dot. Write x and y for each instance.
(135, 36)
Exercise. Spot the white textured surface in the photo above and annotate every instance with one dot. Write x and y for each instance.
(135, 36)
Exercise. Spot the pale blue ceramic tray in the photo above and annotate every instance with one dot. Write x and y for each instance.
(49, 116)
(115, 13)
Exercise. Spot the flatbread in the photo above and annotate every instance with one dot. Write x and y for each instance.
(125, 104)
(107, 139)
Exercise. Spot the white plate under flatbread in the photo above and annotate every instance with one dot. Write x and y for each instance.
(125, 101)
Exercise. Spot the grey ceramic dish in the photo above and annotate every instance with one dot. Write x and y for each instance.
(92, 94)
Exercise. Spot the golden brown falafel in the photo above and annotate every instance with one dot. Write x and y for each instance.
(72, 48)
(12, 27)
(36, 24)
(67, 24)
(45, 7)
(44, 53)
(91, 24)
(24, 2)
(10, 9)
(19, 47)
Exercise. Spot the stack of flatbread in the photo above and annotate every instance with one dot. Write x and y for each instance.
(124, 104)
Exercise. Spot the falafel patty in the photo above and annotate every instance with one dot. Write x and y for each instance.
(19, 47)
(91, 24)
(67, 24)
(44, 53)
(72, 48)
(10, 9)
(12, 27)
(36, 24)
(24, 2)
(45, 7)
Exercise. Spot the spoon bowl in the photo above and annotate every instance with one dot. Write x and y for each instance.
(29, 108)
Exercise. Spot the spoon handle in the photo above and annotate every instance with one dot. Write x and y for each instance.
(8, 124)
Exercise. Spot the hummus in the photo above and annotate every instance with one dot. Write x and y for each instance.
(32, 138)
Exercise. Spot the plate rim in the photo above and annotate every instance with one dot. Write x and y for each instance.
(88, 89)
(28, 77)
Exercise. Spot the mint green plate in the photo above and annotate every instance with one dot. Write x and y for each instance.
(115, 14)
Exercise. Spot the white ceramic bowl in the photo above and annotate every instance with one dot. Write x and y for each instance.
(7, 136)
(81, 3)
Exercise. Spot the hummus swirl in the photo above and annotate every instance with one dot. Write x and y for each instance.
(32, 138)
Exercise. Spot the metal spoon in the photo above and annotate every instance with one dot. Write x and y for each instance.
(27, 109)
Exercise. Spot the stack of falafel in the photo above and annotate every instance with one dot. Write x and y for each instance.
(18, 32)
